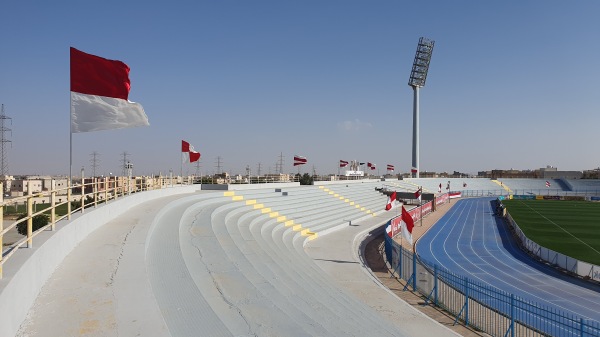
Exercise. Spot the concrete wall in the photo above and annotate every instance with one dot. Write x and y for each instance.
(29, 268)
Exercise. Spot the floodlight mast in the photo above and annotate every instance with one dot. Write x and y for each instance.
(418, 75)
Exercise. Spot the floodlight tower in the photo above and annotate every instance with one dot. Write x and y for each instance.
(418, 75)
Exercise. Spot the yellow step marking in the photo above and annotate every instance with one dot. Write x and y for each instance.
(297, 228)
(331, 192)
(289, 223)
(250, 202)
(321, 187)
(265, 210)
(229, 194)
(341, 198)
(357, 206)
(273, 214)
(258, 206)
(237, 197)
(352, 203)
(336, 195)
(346, 200)
(314, 236)
(362, 208)
(281, 218)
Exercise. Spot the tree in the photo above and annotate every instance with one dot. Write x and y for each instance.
(306, 179)
(38, 221)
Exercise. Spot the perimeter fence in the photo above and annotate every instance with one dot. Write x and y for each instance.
(479, 305)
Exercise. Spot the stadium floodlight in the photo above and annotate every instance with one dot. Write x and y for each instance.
(418, 75)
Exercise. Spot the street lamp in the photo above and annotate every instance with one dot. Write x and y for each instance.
(418, 75)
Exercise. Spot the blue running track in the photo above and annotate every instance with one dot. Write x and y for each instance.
(471, 241)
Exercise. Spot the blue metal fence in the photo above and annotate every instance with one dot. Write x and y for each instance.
(481, 306)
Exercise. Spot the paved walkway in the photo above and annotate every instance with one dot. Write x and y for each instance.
(105, 286)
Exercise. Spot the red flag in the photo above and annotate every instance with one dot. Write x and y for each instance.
(408, 225)
(390, 167)
(188, 150)
(371, 166)
(299, 160)
(547, 183)
(99, 95)
(343, 163)
(391, 201)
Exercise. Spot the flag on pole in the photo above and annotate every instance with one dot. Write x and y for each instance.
(391, 201)
(343, 163)
(408, 225)
(371, 166)
(390, 167)
(299, 160)
(413, 170)
(388, 230)
(418, 194)
(189, 152)
(361, 164)
(547, 183)
(99, 95)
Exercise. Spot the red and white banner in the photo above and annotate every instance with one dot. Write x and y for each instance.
(413, 170)
(454, 195)
(299, 160)
(371, 166)
(390, 167)
(188, 152)
(100, 95)
(343, 163)
(442, 199)
(547, 183)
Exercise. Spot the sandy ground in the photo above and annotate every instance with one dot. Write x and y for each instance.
(374, 256)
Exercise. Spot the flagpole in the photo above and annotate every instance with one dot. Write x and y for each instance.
(421, 203)
(181, 169)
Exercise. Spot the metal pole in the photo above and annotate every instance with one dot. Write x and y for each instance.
(415, 149)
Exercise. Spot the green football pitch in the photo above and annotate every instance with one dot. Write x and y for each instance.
(571, 228)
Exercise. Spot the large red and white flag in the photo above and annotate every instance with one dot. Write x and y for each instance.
(299, 160)
(391, 201)
(418, 194)
(408, 225)
(99, 95)
(371, 166)
(188, 152)
(390, 167)
(343, 163)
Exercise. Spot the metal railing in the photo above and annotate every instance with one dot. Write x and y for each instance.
(61, 203)
(481, 306)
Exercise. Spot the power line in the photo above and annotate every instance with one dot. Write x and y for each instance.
(3, 131)
(124, 161)
(94, 161)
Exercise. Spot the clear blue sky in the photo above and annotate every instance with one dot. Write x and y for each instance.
(512, 84)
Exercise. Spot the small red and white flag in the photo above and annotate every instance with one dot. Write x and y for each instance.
(188, 152)
(371, 166)
(100, 95)
(418, 194)
(547, 183)
(391, 201)
(390, 167)
(343, 163)
(388, 230)
(299, 160)
(408, 226)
